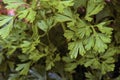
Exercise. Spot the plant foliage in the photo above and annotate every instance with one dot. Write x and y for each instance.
(55, 39)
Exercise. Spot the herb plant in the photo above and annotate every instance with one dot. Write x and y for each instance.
(60, 40)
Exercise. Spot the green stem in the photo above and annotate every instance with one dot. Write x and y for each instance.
(63, 26)
(48, 38)
(93, 30)
(43, 35)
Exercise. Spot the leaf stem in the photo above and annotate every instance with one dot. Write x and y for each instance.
(93, 30)
(48, 38)
(63, 26)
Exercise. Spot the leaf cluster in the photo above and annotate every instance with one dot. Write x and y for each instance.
(50, 39)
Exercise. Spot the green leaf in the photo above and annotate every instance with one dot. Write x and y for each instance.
(5, 31)
(93, 7)
(64, 4)
(75, 48)
(104, 29)
(36, 56)
(69, 34)
(94, 75)
(23, 68)
(79, 3)
(4, 20)
(50, 61)
(109, 60)
(49, 65)
(90, 76)
(46, 25)
(89, 42)
(23, 57)
(67, 59)
(43, 25)
(68, 12)
(70, 66)
(89, 62)
(12, 50)
(13, 4)
(62, 18)
(99, 46)
(28, 14)
(96, 64)
(57, 58)
(23, 13)
(31, 16)
(104, 38)
(107, 67)
(83, 31)
(11, 65)
(25, 44)
(109, 53)
(11, 1)
(14, 77)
